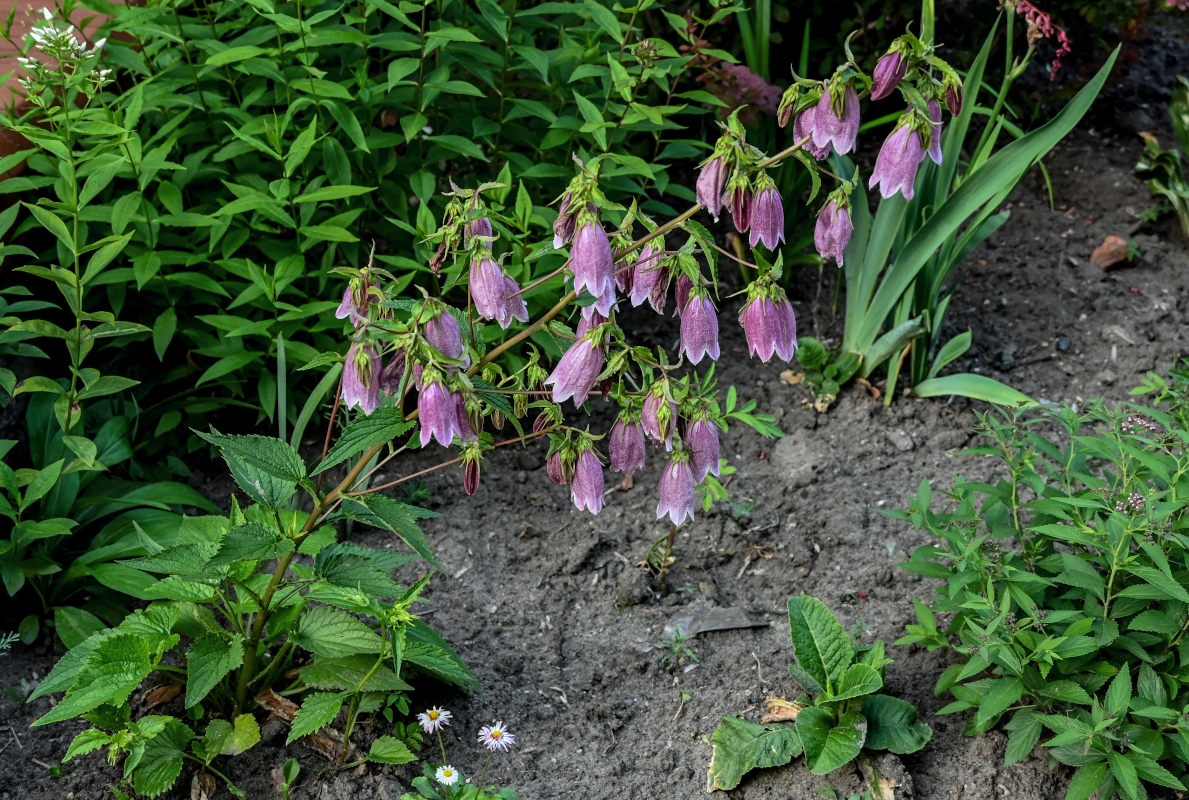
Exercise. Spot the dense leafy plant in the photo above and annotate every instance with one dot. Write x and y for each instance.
(843, 716)
(1165, 169)
(1075, 625)
(899, 267)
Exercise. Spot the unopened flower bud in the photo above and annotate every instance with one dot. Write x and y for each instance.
(889, 71)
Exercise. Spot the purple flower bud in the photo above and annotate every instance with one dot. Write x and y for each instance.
(803, 127)
(361, 373)
(659, 416)
(701, 436)
(699, 328)
(576, 372)
(832, 233)
(470, 476)
(788, 102)
(624, 273)
(681, 293)
(392, 373)
(767, 218)
(710, 185)
(438, 411)
(953, 98)
(591, 263)
(833, 129)
(769, 325)
(355, 301)
(676, 490)
(586, 487)
(555, 467)
(443, 334)
(567, 218)
(897, 162)
(649, 280)
(889, 71)
(935, 126)
(626, 445)
(480, 226)
(739, 200)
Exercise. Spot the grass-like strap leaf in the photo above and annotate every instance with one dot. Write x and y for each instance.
(270, 456)
(383, 425)
(162, 761)
(820, 644)
(208, 661)
(114, 668)
(976, 387)
(741, 746)
(829, 746)
(326, 631)
(318, 711)
(391, 515)
(892, 725)
(390, 750)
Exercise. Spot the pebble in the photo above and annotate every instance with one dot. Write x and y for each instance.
(1063, 343)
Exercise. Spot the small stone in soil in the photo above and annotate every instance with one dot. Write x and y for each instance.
(1063, 343)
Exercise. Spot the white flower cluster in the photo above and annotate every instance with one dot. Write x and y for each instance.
(64, 46)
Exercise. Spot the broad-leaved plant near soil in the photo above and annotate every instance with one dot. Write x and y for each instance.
(1066, 585)
(1164, 169)
(844, 714)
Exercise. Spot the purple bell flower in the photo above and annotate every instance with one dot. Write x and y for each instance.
(444, 335)
(699, 328)
(567, 219)
(701, 436)
(658, 418)
(488, 290)
(803, 126)
(514, 305)
(626, 445)
(832, 233)
(711, 181)
(649, 280)
(361, 378)
(681, 293)
(935, 126)
(592, 265)
(438, 412)
(480, 226)
(769, 324)
(576, 372)
(586, 487)
(889, 71)
(676, 490)
(590, 319)
(355, 301)
(831, 129)
(767, 217)
(897, 162)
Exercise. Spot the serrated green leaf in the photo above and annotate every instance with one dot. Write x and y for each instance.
(1124, 773)
(1024, 731)
(318, 711)
(162, 760)
(1118, 695)
(208, 661)
(439, 662)
(820, 644)
(183, 559)
(741, 746)
(383, 425)
(345, 674)
(222, 738)
(892, 725)
(85, 742)
(352, 566)
(331, 633)
(249, 542)
(390, 750)
(391, 515)
(1152, 772)
(829, 746)
(112, 670)
(997, 698)
(1086, 781)
(271, 456)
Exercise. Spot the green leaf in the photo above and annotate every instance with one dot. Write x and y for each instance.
(605, 19)
(209, 660)
(391, 515)
(355, 567)
(892, 725)
(74, 625)
(52, 223)
(345, 674)
(1086, 781)
(858, 680)
(1118, 695)
(332, 193)
(328, 632)
(390, 750)
(741, 746)
(820, 644)
(163, 758)
(997, 698)
(318, 711)
(1023, 733)
(383, 425)
(1124, 772)
(163, 331)
(85, 742)
(349, 124)
(224, 739)
(829, 746)
(1152, 772)
(113, 669)
(270, 456)
(233, 54)
(977, 387)
(249, 542)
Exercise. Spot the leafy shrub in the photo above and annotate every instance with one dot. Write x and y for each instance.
(844, 715)
(1066, 585)
(1165, 169)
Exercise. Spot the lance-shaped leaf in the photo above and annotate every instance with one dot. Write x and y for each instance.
(823, 649)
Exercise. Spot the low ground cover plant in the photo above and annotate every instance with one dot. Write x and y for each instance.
(843, 715)
(1064, 586)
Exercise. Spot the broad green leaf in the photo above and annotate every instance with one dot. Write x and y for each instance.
(332, 193)
(113, 669)
(439, 662)
(328, 632)
(1118, 695)
(892, 725)
(741, 746)
(820, 644)
(356, 567)
(391, 515)
(976, 387)
(231, 55)
(208, 661)
(1124, 773)
(390, 750)
(52, 223)
(829, 746)
(184, 559)
(249, 542)
(85, 742)
(345, 674)
(318, 711)
(163, 758)
(1152, 772)
(1086, 781)
(383, 425)
(996, 698)
(269, 455)
(224, 739)
(1024, 731)
(858, 680)
(74, 625)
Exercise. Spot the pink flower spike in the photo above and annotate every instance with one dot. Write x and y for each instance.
(676, 490)
(434, 719)
(496, 737)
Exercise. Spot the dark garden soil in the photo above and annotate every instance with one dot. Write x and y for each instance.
(563, 629)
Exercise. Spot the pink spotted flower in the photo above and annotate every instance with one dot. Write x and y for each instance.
(676, 490)
(768, 321)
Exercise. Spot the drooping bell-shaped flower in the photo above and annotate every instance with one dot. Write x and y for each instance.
(658, 418)
(576, 372)
(566, 222)
(889, 71)
(392, 373)
(896, 165)
(935, 127)
(356, 299)
(586, 486)
(438, 411)
(444, 335)
(650, 281)
(559, 463)
(699, 328)
(701, 437)
(803, 127)
(836, 120)
(833, 230)
(768, 321)
(480, 226)
(767, 215)
(514, 305)
(711, 181)
(488, 290)
(361, 378)
(592, 265)
(681, 293)
(739, 200)
(588, 321)
(676, 491)
(626, 443)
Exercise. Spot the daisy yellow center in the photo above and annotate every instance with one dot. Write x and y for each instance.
(496, 734)
(446, 773)
(434, 715)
